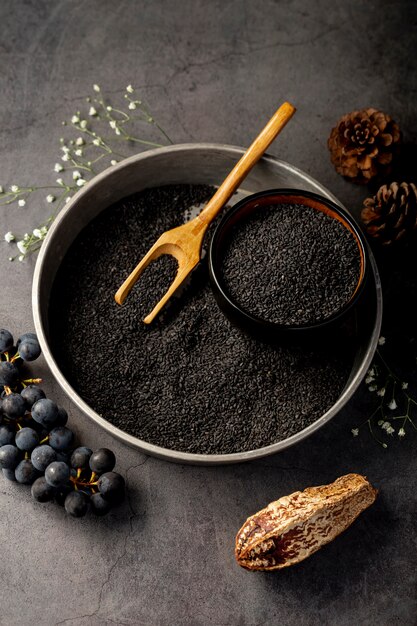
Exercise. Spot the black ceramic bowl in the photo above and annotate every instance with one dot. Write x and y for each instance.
(246, 319)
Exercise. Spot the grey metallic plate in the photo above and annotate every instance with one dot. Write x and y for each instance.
(198, 164)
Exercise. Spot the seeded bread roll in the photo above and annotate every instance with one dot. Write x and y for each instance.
(294, 527)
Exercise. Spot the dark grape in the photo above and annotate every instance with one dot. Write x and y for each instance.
(9, 374)
(102, 460)
(62, 417)
(42, 456)
(41, 491)
(9, 457)
(25, 472)
(14, 405)
(27, 439)
(45, 412)
(61, 438)
(63, 456)
(9, 474)
(6, 340)
(112, 487)
(57, 474)
(61, 494)
(31, 394)
(80, 457)
(7, 434)
(99, 505)
(76, 503)
(29, 349)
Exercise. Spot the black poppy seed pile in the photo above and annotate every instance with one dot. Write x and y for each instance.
(190, 381)
(291, 264)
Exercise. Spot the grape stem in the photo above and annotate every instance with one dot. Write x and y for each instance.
(82, 483)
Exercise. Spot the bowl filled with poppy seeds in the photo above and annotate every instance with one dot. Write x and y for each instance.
(288, 264)
(191, 387)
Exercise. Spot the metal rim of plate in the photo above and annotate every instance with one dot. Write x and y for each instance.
(202, 163)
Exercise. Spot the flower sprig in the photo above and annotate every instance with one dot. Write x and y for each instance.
(98, 137)
(396, 409)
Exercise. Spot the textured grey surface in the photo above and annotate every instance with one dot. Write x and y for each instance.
(212, 71)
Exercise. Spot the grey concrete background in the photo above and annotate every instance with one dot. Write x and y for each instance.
(211, 71)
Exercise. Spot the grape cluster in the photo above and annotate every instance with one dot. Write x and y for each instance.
(36, 446)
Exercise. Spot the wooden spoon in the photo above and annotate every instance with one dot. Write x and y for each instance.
(185, 242)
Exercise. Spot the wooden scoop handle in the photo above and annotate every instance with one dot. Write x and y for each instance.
(246, 163)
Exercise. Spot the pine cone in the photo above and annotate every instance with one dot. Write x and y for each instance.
(362, 144)
(391, 215)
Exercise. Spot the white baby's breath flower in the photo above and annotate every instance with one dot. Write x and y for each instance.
(381, 392)
(59, 181)
(390, 430)
(37, 233)
(14, 188)
(404, 385)
(83, 124)
(65, 149)
(92, 112)
(21, 257)
(96, 88)
(129, 89)
(21, 202)
(58, 167)
(386, 425)
(109, 108)
(76, 174)
(50, 198)
(26, 237)
(392, 405)
(9, 237)
(113, 162)
(67, 199)
(369, 379)
(81, 182)
(401, 432)
(65, 157)
(79, 141)
(380, 422)
(1, 189)
(132, 106)
(96, 142)
(21, 246)
(381, 340)
(371, 372)
(117, 131)
(75, 119)
(355, 432)
(113, 124)
(372, 388)
(79, 152)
